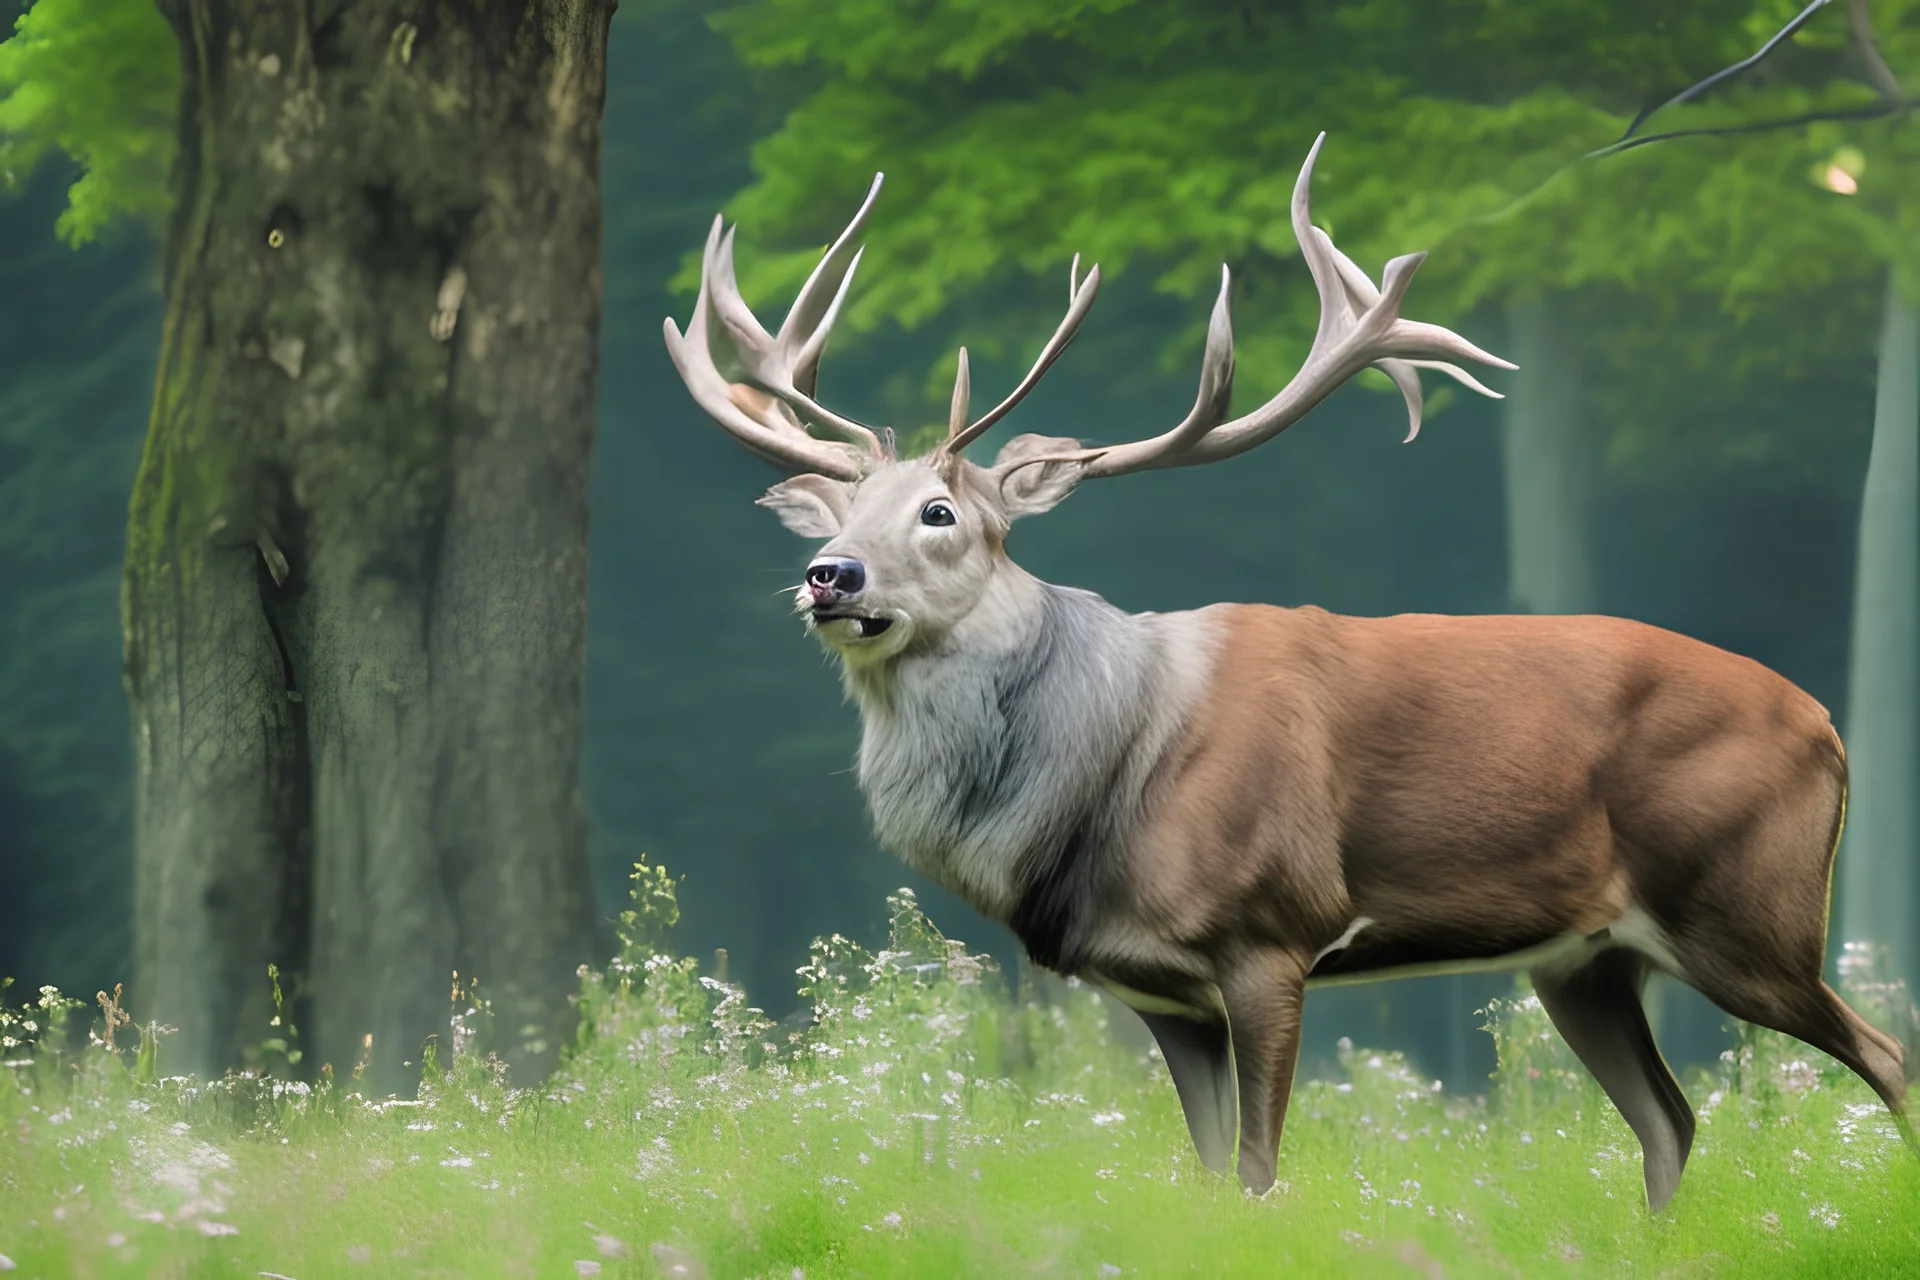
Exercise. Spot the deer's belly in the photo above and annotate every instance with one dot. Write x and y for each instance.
(1358, 958)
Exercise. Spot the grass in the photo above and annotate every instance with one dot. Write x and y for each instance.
(927, 1124)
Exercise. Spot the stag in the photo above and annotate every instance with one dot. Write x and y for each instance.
(1207, 812)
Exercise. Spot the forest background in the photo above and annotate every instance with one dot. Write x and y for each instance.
(1703, 322)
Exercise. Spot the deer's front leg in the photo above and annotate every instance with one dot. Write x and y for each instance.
(1201, 1064)
(1263, 991)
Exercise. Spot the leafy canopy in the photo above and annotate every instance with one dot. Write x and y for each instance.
(1165, 135)
(95, 80)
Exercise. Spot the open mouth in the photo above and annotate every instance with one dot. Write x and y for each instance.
(868, 627)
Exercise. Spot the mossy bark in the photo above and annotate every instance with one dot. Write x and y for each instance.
(355, 595)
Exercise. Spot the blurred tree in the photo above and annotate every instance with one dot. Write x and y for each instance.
(373, 418)
(1879, 876)
(75, 364)
(77, 338)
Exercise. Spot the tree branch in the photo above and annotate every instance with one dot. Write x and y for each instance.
(1892, 99)
(1725, 73)
(1878, 73)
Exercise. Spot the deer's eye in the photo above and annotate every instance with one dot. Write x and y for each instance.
(938, 514)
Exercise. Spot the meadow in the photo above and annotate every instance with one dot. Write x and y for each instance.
(927, 1121)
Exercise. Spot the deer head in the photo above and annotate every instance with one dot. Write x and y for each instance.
(916, 545)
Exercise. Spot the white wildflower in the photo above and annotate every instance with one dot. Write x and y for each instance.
(676, 1265)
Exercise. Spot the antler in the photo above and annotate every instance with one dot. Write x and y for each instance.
(1359, 326)
(960, 433)
(769, 405)
(769, 402)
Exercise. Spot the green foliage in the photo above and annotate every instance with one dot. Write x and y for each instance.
(35, 1025)
(146, 1058)
(925, 1124)
(278, 1052)
(644, 926)
(1165, 136)
(97, 80)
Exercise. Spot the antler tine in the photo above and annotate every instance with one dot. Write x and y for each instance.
(765, 396)
(1216, 372)
(769, 363)
(764, 430)
(1360, 325)
(1080, 301)
(962, 397)
(1362, 295)
(812, 315)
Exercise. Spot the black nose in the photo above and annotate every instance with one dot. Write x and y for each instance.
(844, 577)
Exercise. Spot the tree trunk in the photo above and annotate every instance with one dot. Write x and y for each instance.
(1879, 887)
(1547, 462)
(355, 595)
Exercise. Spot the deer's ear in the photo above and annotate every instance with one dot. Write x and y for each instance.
(1033, 477)
(809, 505)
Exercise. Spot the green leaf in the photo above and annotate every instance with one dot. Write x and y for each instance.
(97, 81)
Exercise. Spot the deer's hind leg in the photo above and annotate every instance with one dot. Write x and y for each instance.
(1597, 1008)
(1806, 1008)
(1755, 941)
